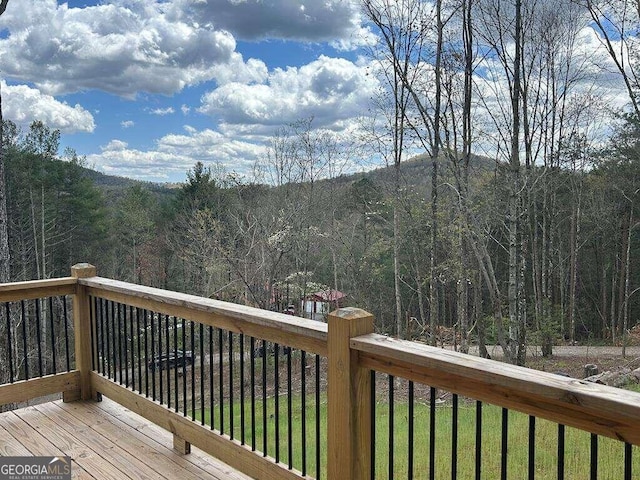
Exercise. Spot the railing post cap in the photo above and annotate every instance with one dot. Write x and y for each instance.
(350, 313)
(83, 270)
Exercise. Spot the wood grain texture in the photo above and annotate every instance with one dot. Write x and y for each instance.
(599, 409)
(25, 390)
(220, 446)
(114, 423)
(103, 442)
(82, 328)
(11, 292)
(296, 332)
(348, 398)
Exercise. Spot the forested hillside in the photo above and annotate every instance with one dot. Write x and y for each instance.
(269, 245)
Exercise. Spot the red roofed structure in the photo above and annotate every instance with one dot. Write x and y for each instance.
(317, 305)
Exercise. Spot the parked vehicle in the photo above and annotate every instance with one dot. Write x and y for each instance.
(178, 358)
(259, 352)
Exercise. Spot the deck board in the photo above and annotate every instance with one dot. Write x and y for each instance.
(104, 441)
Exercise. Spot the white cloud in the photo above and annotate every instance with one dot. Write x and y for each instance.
(121, 47)
(23, 105)
(175, 154)
(163, 111)
(185, 109)
(328, 89)
(127, 123)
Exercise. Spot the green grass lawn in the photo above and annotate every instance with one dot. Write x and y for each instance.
(577, 443)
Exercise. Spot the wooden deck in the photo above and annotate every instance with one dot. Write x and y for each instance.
(104, 441)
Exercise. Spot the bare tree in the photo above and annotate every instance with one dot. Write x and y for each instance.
(616, 22)
(4, 217)
(419, 70)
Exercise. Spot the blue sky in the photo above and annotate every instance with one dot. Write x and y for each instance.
(145, 89)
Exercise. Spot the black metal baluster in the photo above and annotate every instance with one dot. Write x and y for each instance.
(560, 452)
(252, 362)
(594, 457)
(505, 444)
(303, 409)
(221, 377)
(119, 335)
(124, 339)
(264, 398)
(108, 329)
(276, 395)
(7, 309)
(391, 424)
(145, 321)
(432, 433)
(167, 365)
(628, 452)
(114, 336)
(410, 421)
(39, 336)
(153, 356)
(184, 368)
(53, 340)
(532, 447)
(25, 347)
(193, 371)
(66, 335)
(132, 351)
(242, 406)
(201, 326)
(454, 437)
(139, 342)
(318, 470)
(289, 412)
(478, 438)
(159, 362)
(211, 392)
(231, 385)
(176, 383)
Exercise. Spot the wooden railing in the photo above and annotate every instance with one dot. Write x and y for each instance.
(352, 350)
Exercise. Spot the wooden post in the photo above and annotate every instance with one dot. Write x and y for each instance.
(181, 445)
(349, 398)
(82, 332)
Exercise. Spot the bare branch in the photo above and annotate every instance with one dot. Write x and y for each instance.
(3, 6)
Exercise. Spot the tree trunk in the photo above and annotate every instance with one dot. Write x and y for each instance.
(627, 261)
(612, 310)
(513, 217)
(462, 296)
(433, 285)
(603, 297)
(573, 270)
(5, 255)
(623, 274)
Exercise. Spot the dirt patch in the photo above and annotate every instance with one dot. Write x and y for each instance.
(575, 366)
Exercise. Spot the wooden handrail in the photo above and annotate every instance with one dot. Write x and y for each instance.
(11, 292)
(599, 409)
(352, 352)
(299, 333)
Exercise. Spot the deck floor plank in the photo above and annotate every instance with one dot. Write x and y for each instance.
(221, 471)
(157, 456)
(82, 455)
(10, 447)
(105, 441)
(37, 444)
(124, 464)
